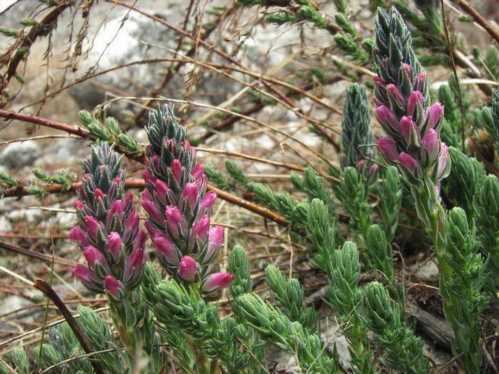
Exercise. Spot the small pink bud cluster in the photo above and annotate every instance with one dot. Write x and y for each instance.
(179, 206)
(412, 126)
(108, 228)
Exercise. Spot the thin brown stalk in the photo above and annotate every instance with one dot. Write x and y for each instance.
(20, 191)
(477, 17)
(75, 327)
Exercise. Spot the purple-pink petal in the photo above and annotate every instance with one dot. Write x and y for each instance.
(388, 148)
(188, 268)
(217, 281)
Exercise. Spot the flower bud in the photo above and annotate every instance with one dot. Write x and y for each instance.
(92, 226)
(176, 169)
(78, 205)
(208, 200)
(386, 117)
(215, 241)
(197, 171)
(77, 235)
(409, 162)
(190, 194)
(435, 114)
(148, 177)
(415, 100)
(217, 281)
(431, 145)
(98, 194)
(420, 82)
(114, 244)
(166, 249)
(174, 218)
(407, 69)
(93, 256)
(388, 149)
(131, 222)
(140, 239)
(373, 170)
(201, 227)
(379, 82)
(150, 207)
(116, 208)
(360, 164)
(394, 95)
(160, 187)
(83, 273)
(444, 162)
(408, 130)
(113, 286)
(188, 268)
(135, 262)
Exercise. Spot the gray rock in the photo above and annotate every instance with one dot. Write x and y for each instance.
(62, 153)
(427, 271)
(25, 215)
(5, 225)
(18, 155)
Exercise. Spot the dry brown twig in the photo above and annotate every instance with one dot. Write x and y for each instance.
(17, 52)
(478, 18)
(20, 191)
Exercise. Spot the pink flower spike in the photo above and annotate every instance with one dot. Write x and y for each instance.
(83, 273)
(114, 244)
(409, 162)
(93, 256)
(92, 226)
(188, 268)
(388, 149)
(435, 115)
(190, 193)
(386, 117)
(208, 200)
(113, 286)
(217, 281)
(76, 235)
(431, 144)
(166, 248)
(176, 169)
(201, 227)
